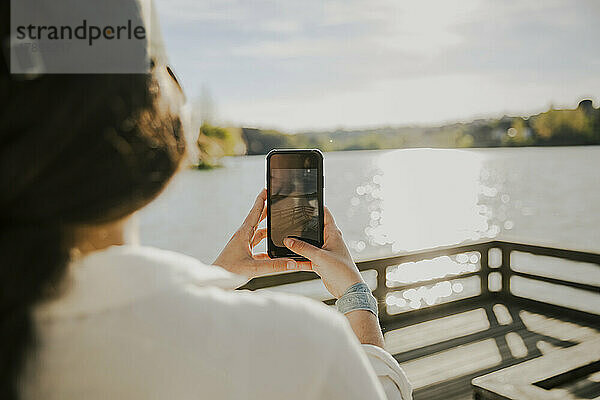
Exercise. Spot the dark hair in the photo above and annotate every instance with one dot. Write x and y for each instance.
(74, 150)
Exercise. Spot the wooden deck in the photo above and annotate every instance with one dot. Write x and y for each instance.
(442, 355)
(502, 312)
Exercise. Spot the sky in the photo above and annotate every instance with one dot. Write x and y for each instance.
(299, 65)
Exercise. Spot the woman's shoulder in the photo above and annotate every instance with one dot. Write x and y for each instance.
(129, 274)
(182, 286)
(200, 293)
(160, 267)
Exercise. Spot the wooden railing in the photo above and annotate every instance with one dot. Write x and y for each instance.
(501, 249)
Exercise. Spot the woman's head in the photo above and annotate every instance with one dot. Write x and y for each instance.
(74, 150)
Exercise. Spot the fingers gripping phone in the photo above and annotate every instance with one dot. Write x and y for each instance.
(294, 200)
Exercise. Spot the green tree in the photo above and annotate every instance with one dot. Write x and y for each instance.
(229, 140)
(563, 127)
(214, 142)
(519, 133)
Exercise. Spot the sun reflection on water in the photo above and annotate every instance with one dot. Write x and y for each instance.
(421, 198)
(438, 267)
(429, 295)
(426, 270)
(414, 199)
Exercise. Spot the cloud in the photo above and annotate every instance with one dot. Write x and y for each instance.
(256, 55)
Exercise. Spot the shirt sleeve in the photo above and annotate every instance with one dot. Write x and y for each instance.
(363, 372)
(391, 376)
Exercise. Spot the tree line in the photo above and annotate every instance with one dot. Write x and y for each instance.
(555, 127)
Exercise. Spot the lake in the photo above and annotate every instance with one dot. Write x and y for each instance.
(393, 201)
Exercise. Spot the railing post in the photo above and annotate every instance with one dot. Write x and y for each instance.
(380, 292)
(505, 269)
(485, 271)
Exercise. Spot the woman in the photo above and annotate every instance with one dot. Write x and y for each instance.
(84, 314)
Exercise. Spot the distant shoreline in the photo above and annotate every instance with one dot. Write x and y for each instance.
(572, 127)
(553, 128)
(447, 148)
(202, 168)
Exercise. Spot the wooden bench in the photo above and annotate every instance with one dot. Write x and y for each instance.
(561, 375)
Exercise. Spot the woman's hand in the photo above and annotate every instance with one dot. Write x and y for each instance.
(334, 265)
(237, 255)
(333, 262)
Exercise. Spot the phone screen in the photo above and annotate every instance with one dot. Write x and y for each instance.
(295, 197)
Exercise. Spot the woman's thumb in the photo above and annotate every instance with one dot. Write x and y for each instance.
(304, 249)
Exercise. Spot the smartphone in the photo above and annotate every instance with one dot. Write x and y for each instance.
(294, 200)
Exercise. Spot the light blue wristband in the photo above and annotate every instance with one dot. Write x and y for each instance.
(357, 297)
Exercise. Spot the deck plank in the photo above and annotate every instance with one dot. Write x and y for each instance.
(452, 326)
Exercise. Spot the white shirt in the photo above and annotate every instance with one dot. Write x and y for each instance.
(142, 323)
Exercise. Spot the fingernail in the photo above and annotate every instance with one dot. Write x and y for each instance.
(288, 242)
(292, 264)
